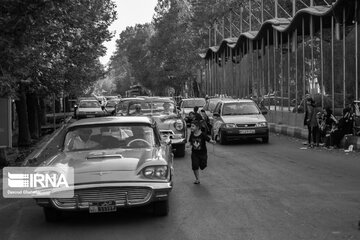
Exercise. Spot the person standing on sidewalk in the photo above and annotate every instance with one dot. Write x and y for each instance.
(311, 122)
(197, 141)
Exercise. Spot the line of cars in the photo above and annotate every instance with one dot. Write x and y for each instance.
(231, 119)
(119, 161)
(126, 160)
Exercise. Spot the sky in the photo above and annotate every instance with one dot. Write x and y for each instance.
(129, 13)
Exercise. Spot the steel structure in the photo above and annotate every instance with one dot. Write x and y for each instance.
(312, 51)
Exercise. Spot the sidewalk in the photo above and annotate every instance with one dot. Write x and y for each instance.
(302, 133)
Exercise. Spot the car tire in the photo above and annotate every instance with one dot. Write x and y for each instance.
(161, 208)
(180, 150)
(222, 138)
(265, 139)
(52, 215)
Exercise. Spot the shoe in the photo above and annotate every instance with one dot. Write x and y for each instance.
(197, 182)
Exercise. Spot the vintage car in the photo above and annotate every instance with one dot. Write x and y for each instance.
(122, 106)
(187, 105)
(239, 119)
(167, 117)
(118, 162)
(88, 108)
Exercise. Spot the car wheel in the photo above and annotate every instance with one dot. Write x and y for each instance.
(222, 139)
(161, 208)
(52, 215)
(265, 139)
(180, 150)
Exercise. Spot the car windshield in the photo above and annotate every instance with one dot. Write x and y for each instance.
(111, 103)
(89, 104)
(163, 107)
(109, 137)
(240, 108)
(139, 108)
(191, 103)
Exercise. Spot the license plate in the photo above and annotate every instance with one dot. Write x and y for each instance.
(100, 207)
(90, 116)
(248, 131)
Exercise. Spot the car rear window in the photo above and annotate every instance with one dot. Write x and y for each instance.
(89, 104)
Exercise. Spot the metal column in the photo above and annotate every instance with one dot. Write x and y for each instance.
(344, 59)
(332, 65)
(303, 62)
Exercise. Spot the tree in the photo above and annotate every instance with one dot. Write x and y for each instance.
(54, 46)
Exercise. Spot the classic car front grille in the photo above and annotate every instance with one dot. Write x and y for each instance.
(245, 125)
(122, 196)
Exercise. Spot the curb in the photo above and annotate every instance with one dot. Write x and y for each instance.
(302, 133)
(31, 158)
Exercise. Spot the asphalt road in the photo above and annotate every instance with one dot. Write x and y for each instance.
(249, 191)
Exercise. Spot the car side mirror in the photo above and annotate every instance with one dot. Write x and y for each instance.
(216, 115)
(103, 108)
(264, 111)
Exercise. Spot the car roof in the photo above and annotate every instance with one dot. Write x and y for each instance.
(187, 99)
(155, 99)
(89, 100)
(236, 100)
(111, 120)
(220, 99)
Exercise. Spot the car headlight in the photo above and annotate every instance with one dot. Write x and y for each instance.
(156, 172)
(178, 124)
(261, 124)
(229, 125)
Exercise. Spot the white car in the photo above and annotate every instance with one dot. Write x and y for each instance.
(239, 119)
(89, 109)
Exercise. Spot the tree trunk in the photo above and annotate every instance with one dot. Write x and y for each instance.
(21, 109)
(3, 158)
(33, 115)
(42, 111)
(39, 112)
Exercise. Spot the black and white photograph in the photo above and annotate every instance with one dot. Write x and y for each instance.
(180, 119)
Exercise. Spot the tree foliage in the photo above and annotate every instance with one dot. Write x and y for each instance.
(165, 53)
(49, 46)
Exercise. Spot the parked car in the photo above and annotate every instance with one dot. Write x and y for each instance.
(89, 109)
(119, 163)
(167, 117)
(187, 105)
(239, 119)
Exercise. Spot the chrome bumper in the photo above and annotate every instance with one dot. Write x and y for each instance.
(123, 195)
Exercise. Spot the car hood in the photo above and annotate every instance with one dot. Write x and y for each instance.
(98, 167)
(166, 122)
(90, 110)
(187, 110)
(239, 119)
(109, 160)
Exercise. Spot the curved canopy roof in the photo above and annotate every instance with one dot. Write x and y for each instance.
(287, 26)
